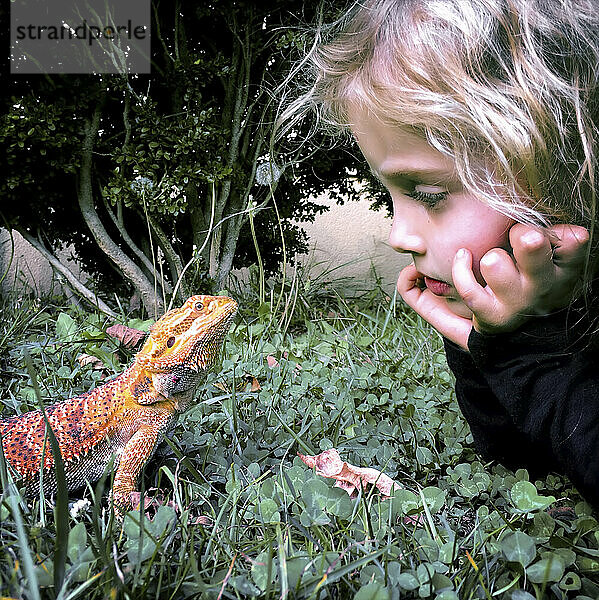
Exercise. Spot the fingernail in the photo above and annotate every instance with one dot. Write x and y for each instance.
(532, 238)
(488, 259)
(461, 253)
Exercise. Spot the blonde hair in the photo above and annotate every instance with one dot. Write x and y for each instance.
(506, 88)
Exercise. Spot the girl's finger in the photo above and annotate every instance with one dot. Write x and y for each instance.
(502, 275)
(431, 308)
(569, 246)
(408, 281)
(532, 253)
(413, 296)
(472, 293)
(410, 274)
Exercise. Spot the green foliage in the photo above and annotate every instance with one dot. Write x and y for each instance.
(172, 173)
(242, 516)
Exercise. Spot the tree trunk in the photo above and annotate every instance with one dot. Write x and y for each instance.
(173, 260)
(228, 251)
(224, 236)
(129, 269)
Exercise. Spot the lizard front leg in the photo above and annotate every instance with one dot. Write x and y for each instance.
(136, 453)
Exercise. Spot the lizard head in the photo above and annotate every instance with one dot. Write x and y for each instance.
(188, 338)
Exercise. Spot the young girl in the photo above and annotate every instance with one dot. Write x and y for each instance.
(480, 118)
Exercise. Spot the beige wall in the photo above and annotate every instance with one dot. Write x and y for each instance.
(351, 239)
(28, 268)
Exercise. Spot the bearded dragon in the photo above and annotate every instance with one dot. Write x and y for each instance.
(127, 417)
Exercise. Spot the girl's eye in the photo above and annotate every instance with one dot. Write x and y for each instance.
(428, 198)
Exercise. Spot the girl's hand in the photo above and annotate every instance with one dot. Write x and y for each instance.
(433, 309)
(540, 277)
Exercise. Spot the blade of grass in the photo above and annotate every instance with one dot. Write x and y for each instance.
(61, 509)
(429, 518)
(10, 489)
(283, 575)
(81, 588)
(311, 587)
(300, 442)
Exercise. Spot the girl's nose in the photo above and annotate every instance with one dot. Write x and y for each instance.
(405, 238)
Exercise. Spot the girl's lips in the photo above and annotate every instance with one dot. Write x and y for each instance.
(437, 287)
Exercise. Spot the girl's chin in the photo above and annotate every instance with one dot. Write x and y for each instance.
(459, 308)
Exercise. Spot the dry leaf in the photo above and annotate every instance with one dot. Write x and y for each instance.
(418, 520)
(349, 477)
(201, 520)
(128, 336)
(252, 382)
(135, 498)
(151, 503)
(94, 361)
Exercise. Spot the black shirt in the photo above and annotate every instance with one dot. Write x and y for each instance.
(531, 397)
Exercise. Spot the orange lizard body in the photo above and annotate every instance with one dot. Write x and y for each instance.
(126, 417)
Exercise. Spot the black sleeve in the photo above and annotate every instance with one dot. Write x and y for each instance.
(495, 434)
(546, 378)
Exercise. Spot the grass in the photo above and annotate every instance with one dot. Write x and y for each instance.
(241, 516)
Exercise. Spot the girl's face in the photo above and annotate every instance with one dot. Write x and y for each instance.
(433, 216)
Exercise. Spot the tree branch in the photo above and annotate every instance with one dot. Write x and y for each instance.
(228, 251)
(173, 259)
(240, 87)
(129, 269)
(147, 263)
(75, 284)
(159, 34)
(126, 121)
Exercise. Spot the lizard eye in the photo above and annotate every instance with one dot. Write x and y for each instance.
(198, 306)
(170, 342)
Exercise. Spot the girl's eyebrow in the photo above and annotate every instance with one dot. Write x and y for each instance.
(416, 172)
